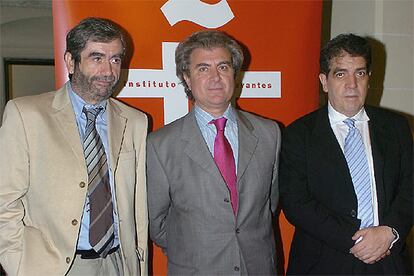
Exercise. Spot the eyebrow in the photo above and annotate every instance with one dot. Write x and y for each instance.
(202, 64)
(225, 62)
(338, 69)
(98, 54)
(209, 65)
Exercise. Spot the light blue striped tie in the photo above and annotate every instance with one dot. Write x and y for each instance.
(356, 158)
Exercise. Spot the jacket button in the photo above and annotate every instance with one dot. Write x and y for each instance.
(67, 260)
(74, 222)
(226, 200)
(237, 230)
(82, 184)
(353, 213)
(236, 268)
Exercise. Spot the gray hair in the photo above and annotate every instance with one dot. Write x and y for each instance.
(206, 40)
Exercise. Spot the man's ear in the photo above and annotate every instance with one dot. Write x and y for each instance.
(324, 81)
(187, 80)
(70, 63)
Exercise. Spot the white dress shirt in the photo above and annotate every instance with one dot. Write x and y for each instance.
(340, 130)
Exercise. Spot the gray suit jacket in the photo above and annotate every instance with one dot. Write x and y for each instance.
(191, 217)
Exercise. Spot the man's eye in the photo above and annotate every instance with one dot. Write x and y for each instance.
(339, 75)
(223, 67)
(202, 69)
(97, 59)
(116, 60)
(361, 73)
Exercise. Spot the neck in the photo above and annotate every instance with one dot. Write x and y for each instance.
(215, 113)
(88, 98)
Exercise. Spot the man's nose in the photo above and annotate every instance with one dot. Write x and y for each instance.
(106, 68)
(351, 81)
(215, 74)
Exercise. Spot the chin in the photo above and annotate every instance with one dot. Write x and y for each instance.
(103, 94)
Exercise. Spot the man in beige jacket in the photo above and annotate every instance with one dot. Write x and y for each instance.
(72, 186)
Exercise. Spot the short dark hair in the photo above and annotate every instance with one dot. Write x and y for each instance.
(352, 44)
(206, 40)
(92, 29)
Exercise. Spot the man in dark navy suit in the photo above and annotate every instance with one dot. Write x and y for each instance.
(351, 218)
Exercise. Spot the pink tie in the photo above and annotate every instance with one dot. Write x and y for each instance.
(223, 156)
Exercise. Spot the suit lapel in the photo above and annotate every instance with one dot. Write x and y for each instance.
(326, 143)
(327, 147)
(379, 140)
(196, 148)
(116, 130)
(66, 122)
(247, 143)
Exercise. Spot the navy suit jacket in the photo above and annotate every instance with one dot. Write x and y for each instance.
(318, 197)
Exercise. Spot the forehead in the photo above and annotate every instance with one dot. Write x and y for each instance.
(346, 60)
(205, 54)
(114, 47)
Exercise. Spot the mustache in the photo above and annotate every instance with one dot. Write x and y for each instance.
(103, 78)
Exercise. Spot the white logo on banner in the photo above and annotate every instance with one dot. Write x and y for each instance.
(150, 83)
(206, 15)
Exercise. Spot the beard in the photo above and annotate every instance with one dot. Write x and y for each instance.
(89, 91)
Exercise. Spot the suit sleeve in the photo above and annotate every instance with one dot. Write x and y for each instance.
(301, 208)
(274, 193)
(400, 213)
(158, 197)
(141, 209)
(14, 183)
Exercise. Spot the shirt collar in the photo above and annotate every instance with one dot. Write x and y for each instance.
(205, 118)
(336, 117)
(78, 103)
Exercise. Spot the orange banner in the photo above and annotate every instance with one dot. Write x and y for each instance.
(282, 39)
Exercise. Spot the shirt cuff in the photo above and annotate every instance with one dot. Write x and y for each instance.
(396, 235)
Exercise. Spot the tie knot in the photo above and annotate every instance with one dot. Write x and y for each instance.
(92, 113)
(220, 123)
(350, 122)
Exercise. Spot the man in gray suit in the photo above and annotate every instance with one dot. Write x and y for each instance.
(212, 191)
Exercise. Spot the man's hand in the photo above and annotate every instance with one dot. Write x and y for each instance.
(374, 243)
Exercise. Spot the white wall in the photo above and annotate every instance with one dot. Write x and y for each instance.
(24, 33)
(391, 23)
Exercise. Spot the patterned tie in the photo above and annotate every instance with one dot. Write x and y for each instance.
(223, 156)
(101, 228)
(356, 158)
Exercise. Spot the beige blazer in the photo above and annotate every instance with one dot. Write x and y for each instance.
(42, 191)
